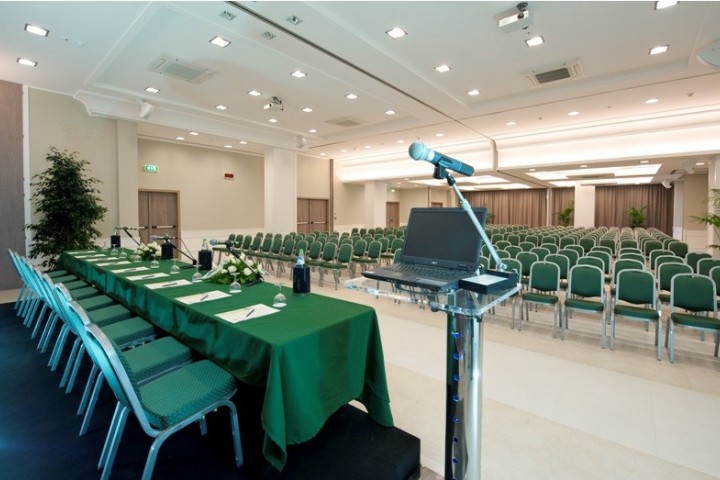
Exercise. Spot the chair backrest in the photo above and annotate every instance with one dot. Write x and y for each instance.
(532, 239)
(659, 260)
(567, 240)
(609, 243)
(602, 248)
(667, 271)
(288, 247)
(276, 245)
(384, 244)
(360, 248)
(329, 250)
(571, 254)
(692, 258)
(651, 245)
(628, 243)
(513, 239)
(513, 250)
(587, 243)
(636, 286)
(562, 262)
(374, 249)
(715, 275)
(705, 264)
(526, 246)
(550, 247)
(680, 249)
(344, 253)
(544, 277)
(594, 261)
(604, 256)
(540, 252)
(512, 265)
(625, 264)
(397, 254)
(314, 251)
(580, 250)
(586, 281)
(655, 254)
(693, 292)
(526, 260)
(635, 256)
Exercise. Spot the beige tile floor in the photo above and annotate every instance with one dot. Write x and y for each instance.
(556, 409)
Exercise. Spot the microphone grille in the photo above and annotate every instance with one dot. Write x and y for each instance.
(418, 151)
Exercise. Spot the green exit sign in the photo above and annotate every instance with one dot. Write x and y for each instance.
(150, 168)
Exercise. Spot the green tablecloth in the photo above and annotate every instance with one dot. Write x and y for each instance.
(313, 356)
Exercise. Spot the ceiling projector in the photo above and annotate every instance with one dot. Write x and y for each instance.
(275, 105)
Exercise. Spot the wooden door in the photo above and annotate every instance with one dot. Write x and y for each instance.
(392, 214)
(158, 215)
(312, 215)
(436, 205)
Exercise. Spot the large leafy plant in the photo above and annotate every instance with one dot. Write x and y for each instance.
(711, 218)
(637, 217)
(68, 206)
(566, 215)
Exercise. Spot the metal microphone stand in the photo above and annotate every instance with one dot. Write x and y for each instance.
(194, 262)
(130, 235)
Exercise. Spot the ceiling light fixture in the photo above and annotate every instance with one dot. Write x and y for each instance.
(389, 112)
(27, 62)
(242, 142)
(193, 133)
(272, 120)
(295, 20)
(219, 41)
(228, 146)
(152, 90)
(298, 74)
(535, 41)
(312, 130)
(307, 109)
(659, 49)
(650, 101)
(221, 107)
(510, 123)
(439, 134)
(474, 92)
(442, 68)
(574, 113)
(396, 32)
(659, 5)
(254, 93)
(34, 29)
(351, 96)
(180, 138)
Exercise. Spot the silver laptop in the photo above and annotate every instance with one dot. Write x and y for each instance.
(442, 246)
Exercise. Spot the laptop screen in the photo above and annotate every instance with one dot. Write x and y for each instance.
(444, 237)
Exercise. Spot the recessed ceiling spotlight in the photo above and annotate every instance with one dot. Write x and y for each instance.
(442, 68)
(323, 154)
(351, 96)
(268, 35)
(27, 62)
(574, 113)
(474, 92)
(583, 166)
(193, 133)
(152, 90)
(659, 5)
(221, 107)
(652, 100)
(659, 49)
(510, 123)
(242, 142)
(312, 130)
(644, 161)
(272, 120)
(439, 134)
(227, 146)
(219, 41)
(400, 141)
(396, 32)
(389, 112)
(535, 41)
(533, 169)
(298, 74)
(34, 29)
(307, 109)
(344, 150)
(294, 19)
(367, 146)
(180, 138)
(254, 93)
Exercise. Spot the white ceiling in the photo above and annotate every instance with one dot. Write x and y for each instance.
(99, 52)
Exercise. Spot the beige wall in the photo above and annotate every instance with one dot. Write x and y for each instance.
(696, 192)
(313, 179)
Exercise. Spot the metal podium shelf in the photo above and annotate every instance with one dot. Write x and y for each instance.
(463, 402)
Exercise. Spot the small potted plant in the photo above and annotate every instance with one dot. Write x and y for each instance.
(566, 216)
(637, 217)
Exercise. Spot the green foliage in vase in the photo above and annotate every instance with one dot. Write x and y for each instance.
(67, 205)
(566, 215)
(637, 217)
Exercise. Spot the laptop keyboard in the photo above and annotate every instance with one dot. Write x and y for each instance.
(422, 271)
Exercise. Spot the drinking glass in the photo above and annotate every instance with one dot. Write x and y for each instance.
(235, 286)
(174, 270)
(279, 301)
(154, 263)
(197, 276)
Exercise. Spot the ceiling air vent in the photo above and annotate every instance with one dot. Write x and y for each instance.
(565, 71)
(167, 64)
(346, 122)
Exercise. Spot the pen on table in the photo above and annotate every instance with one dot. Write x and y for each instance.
(204, 297)
(250, 313)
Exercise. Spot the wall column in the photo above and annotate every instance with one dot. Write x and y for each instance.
(127, 174)
(713, 182)
(375, 204)
(280, 190)
(584, 214)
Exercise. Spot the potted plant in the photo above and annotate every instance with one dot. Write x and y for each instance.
(637, 217)
(711, 218)
(67, 205)
(566, 216)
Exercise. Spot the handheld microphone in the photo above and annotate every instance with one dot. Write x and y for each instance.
(214, 242)
(120, 227)
(162, 237)
(418, 151)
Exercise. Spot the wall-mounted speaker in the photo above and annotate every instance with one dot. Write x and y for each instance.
(667, 184)
(146, 109)
(710, 55)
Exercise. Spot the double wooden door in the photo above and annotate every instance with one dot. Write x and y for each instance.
(312, 215)
(158, 214)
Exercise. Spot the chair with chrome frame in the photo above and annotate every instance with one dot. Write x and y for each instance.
(164, 405)
(693, 304)
(586, 292)
(665, 259)
(635, 299)
(543, 289)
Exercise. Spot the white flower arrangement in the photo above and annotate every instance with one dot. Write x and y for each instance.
(146, 252)
(246, 271)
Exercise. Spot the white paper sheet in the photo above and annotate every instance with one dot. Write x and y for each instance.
(148, 276)
(97, 255)
(203, 297)
(105, 264)
(174, 283)
(131, 269)
(247, 313)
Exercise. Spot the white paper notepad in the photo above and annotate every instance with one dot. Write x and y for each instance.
(247, 313)
(203, 297)
(132, 269)
(105, 264)
(97, 255)
(147, 276)
(175, 283)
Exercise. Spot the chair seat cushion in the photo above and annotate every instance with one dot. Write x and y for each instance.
(58, 273)
(696, 321)
(68, 277)
(75, 284)
(637, 312)
(582, 304)
(128, 331)
(155, 357)
(96, 302)
(181, 393)
(83, 293)
(107, 315)
(664, 297)
(536, 297)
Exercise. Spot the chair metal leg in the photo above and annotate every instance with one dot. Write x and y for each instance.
(76, 368)
(92, 378)
(91, 405)
(70, 362)
(49, 330)
(117, 434)
(58, 348)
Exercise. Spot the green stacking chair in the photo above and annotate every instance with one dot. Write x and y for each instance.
(543, 289)
(586, 293)
(678, 248)
(665, 259)
(693, 304)
(692, 259)
(665, 274)
(704, 265)
(654, 256)
(163, 405)
(635, 299)
(340, 263)
(328, 255)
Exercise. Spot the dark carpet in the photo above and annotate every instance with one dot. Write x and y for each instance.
(39, 432)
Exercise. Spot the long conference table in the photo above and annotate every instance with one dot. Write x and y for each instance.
(312, 356)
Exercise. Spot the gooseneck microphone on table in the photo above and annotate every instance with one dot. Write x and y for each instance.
(115, 237)
(167, 247)
(229, 244)
(418, 151)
